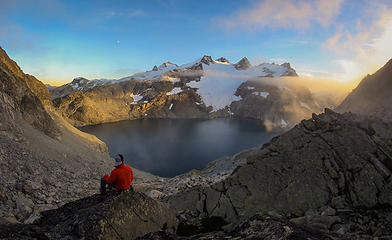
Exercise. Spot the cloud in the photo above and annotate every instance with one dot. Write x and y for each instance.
(363, 49)
(300, 14)
(131, 13)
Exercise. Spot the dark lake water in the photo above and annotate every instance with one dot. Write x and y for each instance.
(168, 147)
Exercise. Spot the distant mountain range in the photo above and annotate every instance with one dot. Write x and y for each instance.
(167, 71)
(205, 88)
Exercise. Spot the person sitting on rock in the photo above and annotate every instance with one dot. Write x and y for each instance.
(121, 177)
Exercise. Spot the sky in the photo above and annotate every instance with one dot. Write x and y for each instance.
(58, 40)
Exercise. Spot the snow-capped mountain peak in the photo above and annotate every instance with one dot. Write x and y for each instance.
(206, 60)
(167, 64)
(222, 60)
(243, 64)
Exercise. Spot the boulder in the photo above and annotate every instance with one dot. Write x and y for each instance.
(124, 215)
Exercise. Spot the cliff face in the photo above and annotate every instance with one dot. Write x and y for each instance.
(372, 96)
(17, 98)
(340, 161)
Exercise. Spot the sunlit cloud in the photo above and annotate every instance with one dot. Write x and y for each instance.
(362, 50)
(285, 14)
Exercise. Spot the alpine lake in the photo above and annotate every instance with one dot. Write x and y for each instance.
(169, 147)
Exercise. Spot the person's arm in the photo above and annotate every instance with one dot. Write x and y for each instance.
(131, 175)
(112, 178)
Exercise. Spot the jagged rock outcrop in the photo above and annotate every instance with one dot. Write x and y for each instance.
(206, 60)
(243, 64)
(223, 60)
(337, 160)
(372, 96)
(124, 215)
(290, 71)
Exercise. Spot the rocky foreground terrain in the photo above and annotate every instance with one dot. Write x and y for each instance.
(330, 172)
(205, 88)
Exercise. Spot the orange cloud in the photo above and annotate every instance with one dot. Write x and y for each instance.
(284, 14)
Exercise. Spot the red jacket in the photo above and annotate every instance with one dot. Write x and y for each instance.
(122, 175)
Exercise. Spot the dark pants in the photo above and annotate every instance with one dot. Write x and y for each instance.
(104, 183)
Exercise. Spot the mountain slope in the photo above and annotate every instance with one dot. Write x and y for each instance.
(18, 98)
(44, 161)
(372, 96)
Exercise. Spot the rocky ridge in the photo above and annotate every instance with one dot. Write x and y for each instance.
(372, 95)
(330, 172)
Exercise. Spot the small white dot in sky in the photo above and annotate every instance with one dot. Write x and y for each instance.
(118, 41)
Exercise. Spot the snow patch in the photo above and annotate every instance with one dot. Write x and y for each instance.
(174, 91)
(250, 88)
(262, 94)
(136, 98)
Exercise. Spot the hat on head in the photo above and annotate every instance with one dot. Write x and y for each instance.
(118, 160)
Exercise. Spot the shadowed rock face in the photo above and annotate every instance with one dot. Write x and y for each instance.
(327, 159)
(125, 215)
(276, 106)
(256, 227)
(372, 96)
